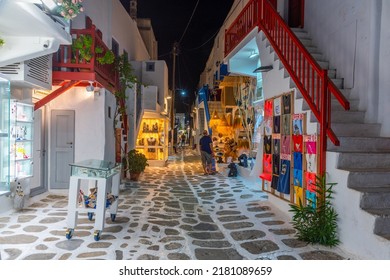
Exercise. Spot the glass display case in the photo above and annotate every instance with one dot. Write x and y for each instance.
(152, 140)
(21, 137)
(95, 168)
(4, 134)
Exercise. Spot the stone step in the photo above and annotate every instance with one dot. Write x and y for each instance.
(375, 200)
(336, 106)
(345, 116)
(356, 129)
(359, 144)
(382, 226)
(368, 178)
(372, 189)
(363, 160)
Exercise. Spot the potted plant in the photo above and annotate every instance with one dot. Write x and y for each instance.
(107, 58)
(134, 163)
(82, 46)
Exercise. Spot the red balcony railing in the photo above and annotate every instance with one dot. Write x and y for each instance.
(68, 64)
(311, 80)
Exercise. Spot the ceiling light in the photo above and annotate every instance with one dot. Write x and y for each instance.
(263, 69)
(253, 54)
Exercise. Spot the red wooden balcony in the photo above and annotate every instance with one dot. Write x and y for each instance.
(68, 64)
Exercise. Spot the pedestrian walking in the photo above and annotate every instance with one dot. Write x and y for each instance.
(206, 152)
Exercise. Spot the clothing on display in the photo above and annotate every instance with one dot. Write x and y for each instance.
(275, 164)
(285, 142)
(297, 161)
(276, 143)
(297, 125)
(285, 124)
(311, 147)
(267, 144)
(275, 181)
(298, 194)
(276, 124)
(284, 177)
(268, 108)
(311, 163)
(268, 125)
(267, 167)
(297, 143)
(277, 106)
(310, 181)
(286, 99)
(298, 176)
(311, 199)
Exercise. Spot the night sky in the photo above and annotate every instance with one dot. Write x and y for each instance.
(169, 21)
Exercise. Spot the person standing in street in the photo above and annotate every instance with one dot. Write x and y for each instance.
(206, 152)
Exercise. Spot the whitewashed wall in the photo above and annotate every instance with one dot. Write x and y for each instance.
(354, 37)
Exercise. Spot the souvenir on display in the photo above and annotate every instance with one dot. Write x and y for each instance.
(297, 124)
(268, 108)
(298, 194)
(297, 143)
(286, 99)
(285, 124)
(277, 106)
(284, 177)
(298, 177)
(310, 181)
(276, 124)
(311, 163)
(267, 167)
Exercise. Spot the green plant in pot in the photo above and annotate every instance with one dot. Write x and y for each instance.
(134, 163)
(107, 58)
(82, 46)
(318, 224)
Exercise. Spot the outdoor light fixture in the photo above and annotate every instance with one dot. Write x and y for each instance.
(90, 88)
(263, 69)
(253, 54)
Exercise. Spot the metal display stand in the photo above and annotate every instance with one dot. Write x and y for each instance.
(101, 174)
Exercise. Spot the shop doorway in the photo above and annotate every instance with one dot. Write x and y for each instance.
(38, 182)
(296, 13)
(62, 136)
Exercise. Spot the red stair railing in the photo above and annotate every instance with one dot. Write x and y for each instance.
(311, 80)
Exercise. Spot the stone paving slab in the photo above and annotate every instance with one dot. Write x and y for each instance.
(172, 213)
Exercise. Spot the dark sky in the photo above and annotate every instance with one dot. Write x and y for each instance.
(169, 21)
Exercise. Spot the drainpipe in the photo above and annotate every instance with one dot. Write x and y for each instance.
(373, 63)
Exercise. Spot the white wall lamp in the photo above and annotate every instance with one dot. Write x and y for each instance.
(94, 89)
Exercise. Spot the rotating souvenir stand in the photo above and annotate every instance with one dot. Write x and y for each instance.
(104, 176)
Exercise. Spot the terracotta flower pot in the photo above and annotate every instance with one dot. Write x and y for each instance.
(134, 176)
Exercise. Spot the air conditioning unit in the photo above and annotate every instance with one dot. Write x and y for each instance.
(33, 73)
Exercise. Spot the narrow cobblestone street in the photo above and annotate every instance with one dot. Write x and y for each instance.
(171, 213)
